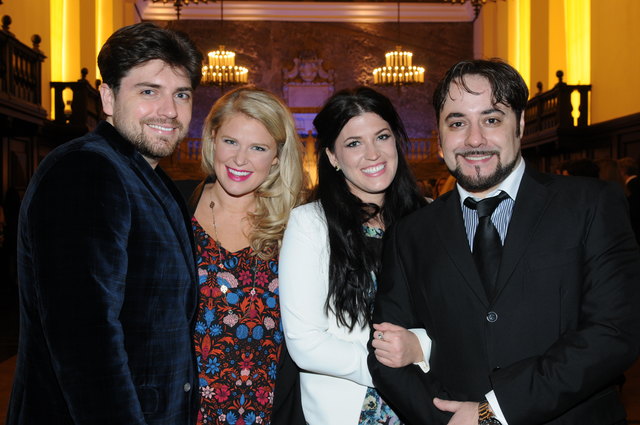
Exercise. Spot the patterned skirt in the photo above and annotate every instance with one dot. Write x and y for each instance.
(376, 412)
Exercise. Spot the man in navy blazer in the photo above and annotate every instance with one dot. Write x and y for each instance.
(543, 340)
(106, 268)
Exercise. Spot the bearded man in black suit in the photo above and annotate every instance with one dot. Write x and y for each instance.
(531, 305)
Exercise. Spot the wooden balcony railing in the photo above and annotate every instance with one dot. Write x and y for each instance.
(20, 76)
(189, 150)
(422, 149)
(184, 163)
(564, 107)
(77, 103)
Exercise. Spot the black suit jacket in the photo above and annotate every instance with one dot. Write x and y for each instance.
(107, 291)
(562, 328)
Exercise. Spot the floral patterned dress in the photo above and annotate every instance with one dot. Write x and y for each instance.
(238, 333)
(374, 410)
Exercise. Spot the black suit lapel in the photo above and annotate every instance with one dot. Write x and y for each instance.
(531, 202)
(451, 229)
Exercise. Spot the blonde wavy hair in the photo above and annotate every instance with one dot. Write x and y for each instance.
(282, 189)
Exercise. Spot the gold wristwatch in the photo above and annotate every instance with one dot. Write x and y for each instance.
(485, 414)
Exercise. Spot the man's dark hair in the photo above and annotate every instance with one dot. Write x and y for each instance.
(133, 45)
(507, 85)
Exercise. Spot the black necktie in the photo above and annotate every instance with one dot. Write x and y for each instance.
(487, 247)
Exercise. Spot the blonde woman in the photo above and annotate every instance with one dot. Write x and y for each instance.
(252, 156)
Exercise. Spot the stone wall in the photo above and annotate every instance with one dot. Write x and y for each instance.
(352, 50)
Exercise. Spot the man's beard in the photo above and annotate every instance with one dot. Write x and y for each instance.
(480, 183)
(158, 147)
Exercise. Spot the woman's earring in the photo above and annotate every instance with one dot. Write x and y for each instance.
(337, 168)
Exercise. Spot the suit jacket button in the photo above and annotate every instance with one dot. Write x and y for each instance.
(187, 387)
(492, 316)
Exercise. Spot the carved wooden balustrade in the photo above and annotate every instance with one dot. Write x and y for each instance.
(423, 149)
(77, 103)
(423, 155)
(563, 110)
(184, 163)
(189, 150)
(20, 76)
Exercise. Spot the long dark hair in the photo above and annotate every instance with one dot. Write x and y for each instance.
(352, 260)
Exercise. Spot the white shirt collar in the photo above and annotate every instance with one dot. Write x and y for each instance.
(510, 185)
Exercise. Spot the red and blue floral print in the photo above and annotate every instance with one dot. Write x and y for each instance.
(238, 334)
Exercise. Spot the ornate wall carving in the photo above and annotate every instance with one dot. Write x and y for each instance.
(307, 85)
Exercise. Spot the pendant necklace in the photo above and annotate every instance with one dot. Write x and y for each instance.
(231, 318)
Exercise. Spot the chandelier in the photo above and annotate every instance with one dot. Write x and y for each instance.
(179, 4)
(399, 69)
(476, 4)
(221, 69)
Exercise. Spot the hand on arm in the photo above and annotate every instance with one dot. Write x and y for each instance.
(406, 388)
(395, 346)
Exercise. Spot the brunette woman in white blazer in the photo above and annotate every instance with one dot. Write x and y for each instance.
(331, 255)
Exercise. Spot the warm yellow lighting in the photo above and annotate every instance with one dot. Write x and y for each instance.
(557, 57)
(222, 69)
(65, 41)
(104, 25)
(520, 38)
(578, 41)
(70, 40)
(67, 99)
(399, 70)
(575, 107)
(55, 58)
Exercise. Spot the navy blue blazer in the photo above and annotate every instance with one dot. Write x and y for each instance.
(107, 291)
(562, 328)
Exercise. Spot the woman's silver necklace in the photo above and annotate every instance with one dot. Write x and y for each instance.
(252, 312)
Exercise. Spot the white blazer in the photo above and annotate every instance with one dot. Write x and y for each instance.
(335, 376)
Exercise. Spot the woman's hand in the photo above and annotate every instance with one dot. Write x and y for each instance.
(395, 346)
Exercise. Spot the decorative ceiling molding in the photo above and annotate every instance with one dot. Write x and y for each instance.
(307, 11)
